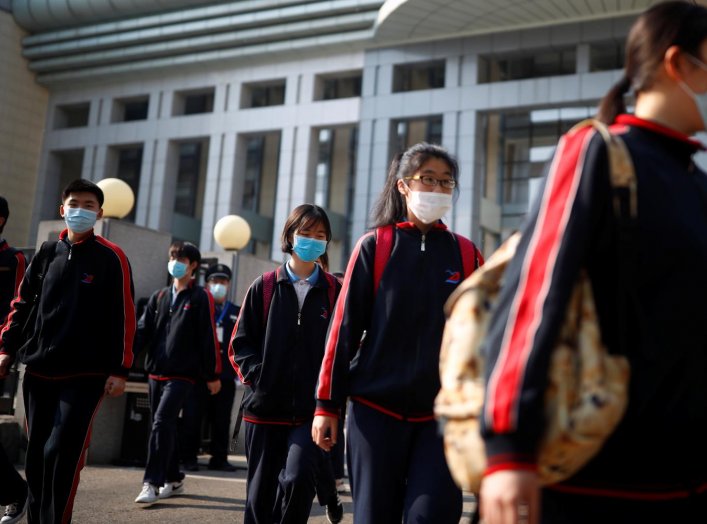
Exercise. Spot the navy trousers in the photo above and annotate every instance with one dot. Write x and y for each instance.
(59, 417)
(166, 400)
(398, 471)
(283, 464)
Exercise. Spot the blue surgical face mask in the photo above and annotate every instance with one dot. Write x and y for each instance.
(79, 220)
(309, 249)
(218, 290)
(177, 269)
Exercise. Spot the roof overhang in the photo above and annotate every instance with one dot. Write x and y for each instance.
(419, 20)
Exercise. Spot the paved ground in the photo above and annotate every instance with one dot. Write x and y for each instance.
(106, 495)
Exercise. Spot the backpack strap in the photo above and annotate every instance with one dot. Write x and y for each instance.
(269, 280)
(470, 255)
(331, 291)
(384, 246)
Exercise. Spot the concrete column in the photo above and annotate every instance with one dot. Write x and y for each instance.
(212, 190)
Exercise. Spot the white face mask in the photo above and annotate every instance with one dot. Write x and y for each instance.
(699, 98)
(429, 206)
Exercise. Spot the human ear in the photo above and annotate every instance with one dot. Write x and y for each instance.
(674, 63)
(61, 210)
(402, 187)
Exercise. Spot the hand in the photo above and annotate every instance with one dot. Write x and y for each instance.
(324, 431)
(5, 363)
(115, 386)
(510, 497)
(214, 386)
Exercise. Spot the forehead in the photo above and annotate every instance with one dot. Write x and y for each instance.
(219, 280)
(81, 197)
(311, 224)
(435, 166)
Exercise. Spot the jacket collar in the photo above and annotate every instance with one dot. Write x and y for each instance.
(655, 127)
(439, 226)
(64, 235)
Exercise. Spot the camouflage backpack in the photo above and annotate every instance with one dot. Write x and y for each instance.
(587, 388)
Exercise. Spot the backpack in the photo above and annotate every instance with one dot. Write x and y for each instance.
(587, 389)
(385, 235)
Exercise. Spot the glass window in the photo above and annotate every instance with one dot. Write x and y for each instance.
(342, 85)
(263, 94)
(518, 146)
(129, 167)
(414, 77)
(188, 174)
(606, 56)
(531, 65)
(72, 115)
(193, 102)
(130, 109)
(409, 132)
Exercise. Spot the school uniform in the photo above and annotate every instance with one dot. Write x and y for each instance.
(383, 351)
(277, 354)
(82, 334)
(179, 333)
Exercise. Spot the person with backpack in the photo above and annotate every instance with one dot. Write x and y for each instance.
(653, 468)
(13, 494)
(177, 329)
(276, 348)
(383, 346)
(72, 325)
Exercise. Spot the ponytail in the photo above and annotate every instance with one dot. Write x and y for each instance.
(390, 206)
(613, 103)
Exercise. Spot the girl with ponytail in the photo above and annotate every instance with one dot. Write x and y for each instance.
(383, 345)
(653, 469)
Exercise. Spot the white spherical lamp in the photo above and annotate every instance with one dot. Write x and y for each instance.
(119, 198)
(232, 232)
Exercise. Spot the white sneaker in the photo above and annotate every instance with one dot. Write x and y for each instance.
(171, 488)
(148, 494)
(14, 512)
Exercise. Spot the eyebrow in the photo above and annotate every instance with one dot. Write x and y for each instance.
(432, 171)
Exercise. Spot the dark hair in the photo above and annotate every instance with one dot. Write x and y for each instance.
(300, 218)
(4, 211)
(186, 250)
(81, 185)
(666, 24)
(390, 206)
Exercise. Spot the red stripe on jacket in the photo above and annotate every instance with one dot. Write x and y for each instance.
(506, 381)
(326, 372)
(129, 320)
(231, 353)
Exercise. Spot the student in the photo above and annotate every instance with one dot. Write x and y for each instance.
(277, 349)
(217, 408)
(13, 493)
(72, 325)
(396, 461)
(653, 469)
(178, 330)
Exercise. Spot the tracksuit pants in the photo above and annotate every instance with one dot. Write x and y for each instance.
(166, 400)
(283, 463)
(217, 409)
(398, 471)
(59, 417)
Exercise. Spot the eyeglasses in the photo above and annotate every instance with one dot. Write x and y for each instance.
(446, 183)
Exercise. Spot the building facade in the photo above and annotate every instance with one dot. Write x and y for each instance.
(253, 107)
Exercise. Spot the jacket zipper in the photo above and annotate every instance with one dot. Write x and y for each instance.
(422, 245)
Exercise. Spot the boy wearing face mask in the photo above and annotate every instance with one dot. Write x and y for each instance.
(177, 327)
(217, 408)
(72, 324)
(276, 349)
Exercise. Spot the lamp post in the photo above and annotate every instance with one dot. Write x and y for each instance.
(232, 233)
(119, 198)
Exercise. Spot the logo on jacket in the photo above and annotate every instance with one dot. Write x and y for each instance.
(453, 277)
(324, 314)
(87, 279)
